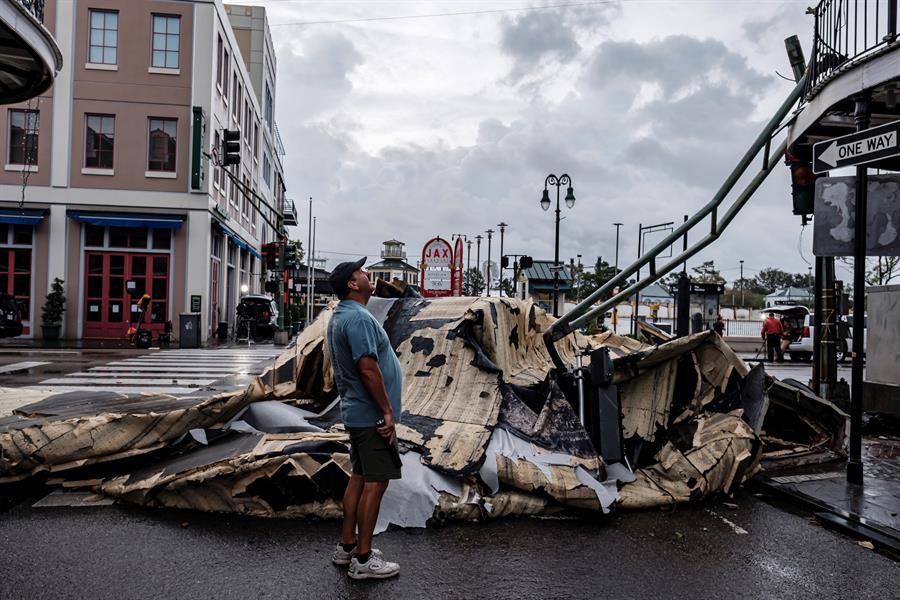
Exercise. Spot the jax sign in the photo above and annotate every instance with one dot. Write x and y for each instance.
(439, 269)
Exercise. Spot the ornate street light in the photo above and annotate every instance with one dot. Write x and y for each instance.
(563, 180)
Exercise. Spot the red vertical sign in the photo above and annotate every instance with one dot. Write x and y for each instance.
(438, 272)
(458, 267)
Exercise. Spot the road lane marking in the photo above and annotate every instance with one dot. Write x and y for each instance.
(21, 366)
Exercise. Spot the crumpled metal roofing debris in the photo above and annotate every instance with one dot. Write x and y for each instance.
(486, 431)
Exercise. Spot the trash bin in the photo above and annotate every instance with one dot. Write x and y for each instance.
(189, 330)
(222, 331)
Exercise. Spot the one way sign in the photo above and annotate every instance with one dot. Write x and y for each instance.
(857, 148)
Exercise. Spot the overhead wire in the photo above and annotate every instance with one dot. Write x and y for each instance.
(443, 14)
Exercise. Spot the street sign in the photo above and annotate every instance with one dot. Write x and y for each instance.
(857, 148)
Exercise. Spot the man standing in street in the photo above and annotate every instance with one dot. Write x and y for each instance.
(771, 333)
(370, 382)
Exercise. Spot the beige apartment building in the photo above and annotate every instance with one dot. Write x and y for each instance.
(109, 180)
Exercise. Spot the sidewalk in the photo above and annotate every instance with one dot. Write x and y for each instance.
(870, 511)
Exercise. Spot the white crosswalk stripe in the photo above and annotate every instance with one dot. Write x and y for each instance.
(176, 372)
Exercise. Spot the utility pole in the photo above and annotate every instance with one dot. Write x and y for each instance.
(502, 227)
(862, 112)
(617, 245)
(478, 239)
(309, 289)
(490, 232)
(615, 310)
(742, 283)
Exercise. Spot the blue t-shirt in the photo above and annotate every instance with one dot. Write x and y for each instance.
(353, 333)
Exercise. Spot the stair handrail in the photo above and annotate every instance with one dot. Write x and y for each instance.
(585, 310)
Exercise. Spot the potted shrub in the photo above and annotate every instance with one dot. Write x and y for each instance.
(52, 312)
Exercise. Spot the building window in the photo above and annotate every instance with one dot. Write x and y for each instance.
(220, 49)
(234, 92)
(246, 126)
(23, 137)
(104, 37)
(268, 106)
(99, 141)
(166, 34)
(162, 144)
(238, 99)
(267, 169)
(255, 140)
(225, 71)
(217, 148)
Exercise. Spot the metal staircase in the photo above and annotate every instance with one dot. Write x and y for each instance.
(586, 310)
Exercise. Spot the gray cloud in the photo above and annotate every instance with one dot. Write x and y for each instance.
(677, 63)
(319, 77)
(632, 159)
(534, 39)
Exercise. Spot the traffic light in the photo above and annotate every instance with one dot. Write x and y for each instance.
(803, 185)
(232, 147)
(291, 255)
(526, 262)
(272, 254)
(504, 262)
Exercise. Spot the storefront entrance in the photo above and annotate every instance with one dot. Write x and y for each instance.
(114, 282)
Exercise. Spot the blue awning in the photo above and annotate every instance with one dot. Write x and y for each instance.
(238, 241)
(149, 220)
(22, 216)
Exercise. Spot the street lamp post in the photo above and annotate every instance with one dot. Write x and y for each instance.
(456, 260)
(502, 227)
(617, 245)
(468, 255)
(742, 283)
(490, 232)
(478, 239)
(563, 180)
(615, 310)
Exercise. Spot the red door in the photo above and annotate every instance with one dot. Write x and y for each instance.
(15, 280)
(214, 295)
(114, 282)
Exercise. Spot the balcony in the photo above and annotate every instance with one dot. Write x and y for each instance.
(279, 146)
(290, 213)
(30, 57)
(847, 33)
(855, 49)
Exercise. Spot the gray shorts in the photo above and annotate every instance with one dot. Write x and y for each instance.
(372, 455)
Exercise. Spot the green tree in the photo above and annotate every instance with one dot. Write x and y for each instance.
(473, 282)
(508, 287)
(707, 273)
(770, 279)
(587, 282)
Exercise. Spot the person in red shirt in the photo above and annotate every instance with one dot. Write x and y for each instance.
(771, 333)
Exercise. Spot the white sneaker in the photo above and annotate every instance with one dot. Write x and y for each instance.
(375, 568)
(342, 557)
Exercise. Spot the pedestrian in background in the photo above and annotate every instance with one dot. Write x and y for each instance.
(719, 326)
(771, 333)
(370, 382)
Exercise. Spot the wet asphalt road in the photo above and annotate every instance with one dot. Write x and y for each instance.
(127, 552)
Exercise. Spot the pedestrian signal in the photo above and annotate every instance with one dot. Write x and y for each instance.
(803, 185)
(232, 147)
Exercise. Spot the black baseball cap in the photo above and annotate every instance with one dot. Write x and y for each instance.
(342, 273)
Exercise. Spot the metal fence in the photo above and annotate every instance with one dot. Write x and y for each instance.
(742, 328)
(35, 7)
(733, 327)
(848, 31)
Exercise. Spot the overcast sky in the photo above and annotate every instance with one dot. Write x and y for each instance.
(409, 128)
